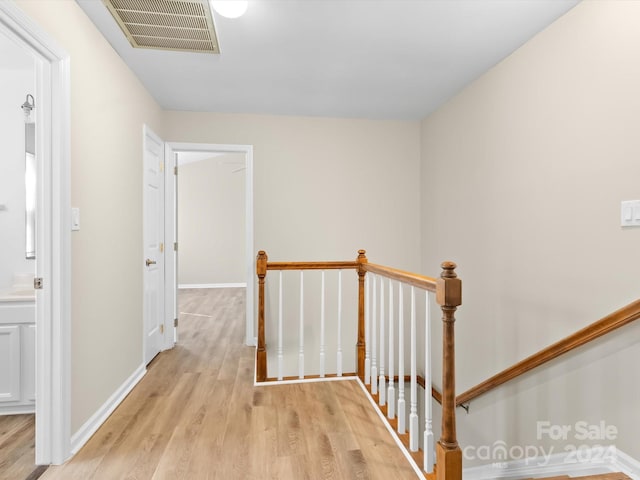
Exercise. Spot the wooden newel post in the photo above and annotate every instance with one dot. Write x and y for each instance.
(449, 297)
(261, 356)
(360, 346)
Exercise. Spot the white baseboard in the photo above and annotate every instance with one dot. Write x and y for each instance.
(18, 410)
(303, 380)
(564, 463)
(416, 468)
(626, 464)
(90, 427)
(212, 285)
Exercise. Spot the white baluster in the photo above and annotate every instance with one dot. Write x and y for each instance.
(322, 346)
(339, 355)
(374, 364)
(382, 390)
(401, 402)
(391, 394)
(413, 416)
(367, 332)
(301, 351)
(280, 355)
(429, 452)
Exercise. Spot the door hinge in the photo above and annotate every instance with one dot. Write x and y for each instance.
(161, 247)
(175, 322)
(175, 170)
(162, 329)
(175, 246)
(37, 283)
(162, 166)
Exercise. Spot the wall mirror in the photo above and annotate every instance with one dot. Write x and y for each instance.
(30, 178)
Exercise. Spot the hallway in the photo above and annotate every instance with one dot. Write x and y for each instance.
(196, 415)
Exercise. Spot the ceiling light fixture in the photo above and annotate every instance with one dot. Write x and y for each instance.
(230, 8)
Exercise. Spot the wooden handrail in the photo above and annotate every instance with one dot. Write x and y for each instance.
(597, 329)
(263, 265)
(312, 265)
(420, 281)
(448, 290)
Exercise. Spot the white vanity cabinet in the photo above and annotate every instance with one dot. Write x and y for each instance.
(17, 356)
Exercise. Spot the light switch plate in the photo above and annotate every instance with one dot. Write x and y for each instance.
(75, 219)
(630, 213)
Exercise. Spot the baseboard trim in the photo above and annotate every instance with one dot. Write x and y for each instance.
(90, 427)
(416, 468)
(626, 464)
(212, 285)
(303, 380)
(17, 410)
(558, 464)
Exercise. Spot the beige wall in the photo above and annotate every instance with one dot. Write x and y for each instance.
(324, 188)
(211, 221)
(108, 109)
(522, 178)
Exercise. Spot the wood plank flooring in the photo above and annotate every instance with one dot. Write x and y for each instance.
(196, 415)
(17, 446)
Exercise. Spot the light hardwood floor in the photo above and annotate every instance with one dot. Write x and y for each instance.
(196, 415)
(17, 447)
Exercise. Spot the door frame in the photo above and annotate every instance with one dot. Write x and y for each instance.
(53, 242)
(170, 216)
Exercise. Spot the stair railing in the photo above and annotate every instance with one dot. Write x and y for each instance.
(387, 301)
(621, 317)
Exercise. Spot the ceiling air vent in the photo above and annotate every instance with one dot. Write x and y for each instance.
(181, 25)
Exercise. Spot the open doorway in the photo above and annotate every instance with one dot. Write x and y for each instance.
(44, 341)
(211, 220)
(17, 258)
(210, 206)
(211, 216)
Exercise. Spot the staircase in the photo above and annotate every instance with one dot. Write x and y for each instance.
(385, 329)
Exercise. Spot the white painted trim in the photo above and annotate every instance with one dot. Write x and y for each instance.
(211, 285)
(251, 317)
(170, 258)
(417, 470)
(18, 410)
(626, 464)
(53, 303)
(303, 380)
(555, 465)
(90, 427)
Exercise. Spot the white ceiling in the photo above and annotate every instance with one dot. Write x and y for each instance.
(382, 59)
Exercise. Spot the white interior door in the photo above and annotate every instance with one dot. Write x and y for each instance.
(153, 237)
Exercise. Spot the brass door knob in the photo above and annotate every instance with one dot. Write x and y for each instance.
(150, 262)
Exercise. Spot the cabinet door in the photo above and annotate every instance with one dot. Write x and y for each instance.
(9, 363)
(29, 363)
